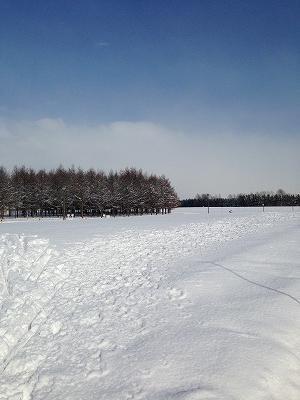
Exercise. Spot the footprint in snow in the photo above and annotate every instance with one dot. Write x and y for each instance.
(98, 373)
(56, 327)
(176, 294)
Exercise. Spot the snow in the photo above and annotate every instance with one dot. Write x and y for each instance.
(181, 306)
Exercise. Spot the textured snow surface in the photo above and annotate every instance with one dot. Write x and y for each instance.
(182, 306)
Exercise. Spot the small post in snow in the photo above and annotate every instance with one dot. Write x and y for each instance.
(263, 206)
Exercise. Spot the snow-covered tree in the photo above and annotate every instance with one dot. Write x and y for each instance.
(61, 191)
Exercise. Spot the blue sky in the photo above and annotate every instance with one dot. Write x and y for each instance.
(195, 67)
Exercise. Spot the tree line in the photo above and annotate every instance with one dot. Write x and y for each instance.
(25, 192)
(280, 198)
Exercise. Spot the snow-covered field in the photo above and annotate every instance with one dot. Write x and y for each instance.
(182, 306)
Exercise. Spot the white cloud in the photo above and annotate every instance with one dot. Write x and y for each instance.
(101, 44)
(202, 162)
(50, 124)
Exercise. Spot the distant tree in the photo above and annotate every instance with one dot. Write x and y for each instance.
(6, 191)
(245, 200)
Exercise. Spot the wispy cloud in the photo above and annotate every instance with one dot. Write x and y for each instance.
(206, 162)
(102, 44)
